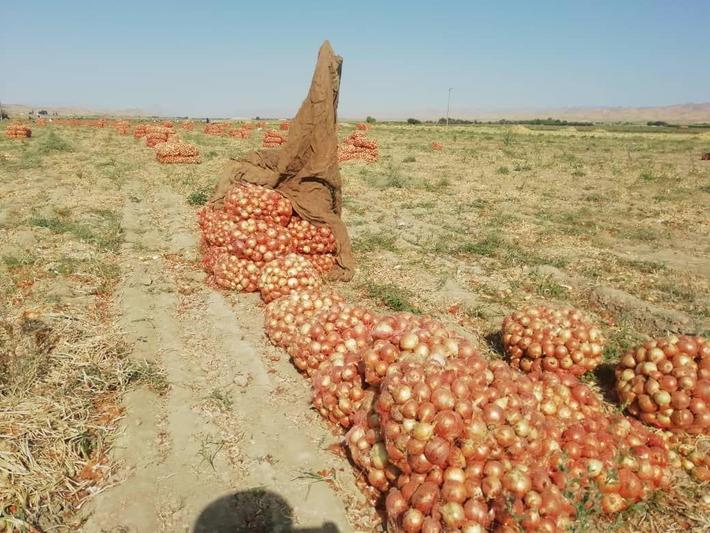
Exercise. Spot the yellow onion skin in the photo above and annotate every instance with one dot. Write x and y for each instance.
(529, 447)
(284, 317)
(367, 450)
(323, 263)
(550, 339)
(474, 434)
(285, 275)
(259, 241)
(244, 201)
(342, 328)
(665, 382)
(309, 239)
(338, 391)
(408, 336)
(216, 225)
(236, 274)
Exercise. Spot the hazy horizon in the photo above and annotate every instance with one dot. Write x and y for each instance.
(219, 59)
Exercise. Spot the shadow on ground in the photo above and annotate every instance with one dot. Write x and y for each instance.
(254, 510)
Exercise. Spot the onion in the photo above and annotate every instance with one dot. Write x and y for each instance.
(424, 497)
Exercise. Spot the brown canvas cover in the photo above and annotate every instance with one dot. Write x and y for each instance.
(305, 168)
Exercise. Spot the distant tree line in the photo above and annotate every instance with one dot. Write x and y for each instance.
(532, 122)
(660, 123)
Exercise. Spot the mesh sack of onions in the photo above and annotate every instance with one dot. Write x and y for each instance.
(41, 122)
(613, 456)
(155, 128)
(272, 139)
(338, 390)
(666, 383)
(695, 458)
(153, 139)
(177, 152)
(18, 131)
(167, 124)
(187, 125)
(140, 131)
(358, 146)
(285, 316)
(311, 239)
(287, 274)
(408, 336)
(231, 272)
(216, 226)
(283, 126)
(259, 241)
(322, 263)
(215, 128)
(468, 438)
(122, 127)
(563, 399)
(245, 201)
(210, 254)
(542, 338)
(342, 328)
(239, 133)
(361, 126)
(367, 450)
(437, 146)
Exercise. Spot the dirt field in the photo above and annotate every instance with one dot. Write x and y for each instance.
(135, 398)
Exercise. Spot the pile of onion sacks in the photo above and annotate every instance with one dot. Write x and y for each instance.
(449, 441)
(254, 242)
(445, 439)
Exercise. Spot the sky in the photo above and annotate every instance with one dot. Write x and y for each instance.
(242, 59)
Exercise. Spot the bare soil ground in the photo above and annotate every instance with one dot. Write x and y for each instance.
(154, 403)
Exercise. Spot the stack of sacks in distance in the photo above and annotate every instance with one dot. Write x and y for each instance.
(358, 146)
(154, 135)
(283, 126)
(18, 131)
(186, 125)
(361, 126)
(41, 122)
(215, 128)
(255, 242)
(140, 131)
(177, 152)
(122, 127)
(239, 133)
(273, 139)
(167, 124)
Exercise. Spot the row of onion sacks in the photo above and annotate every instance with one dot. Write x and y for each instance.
(451, 450)
(664, 382)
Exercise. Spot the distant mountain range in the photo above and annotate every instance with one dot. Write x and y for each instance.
(676, 114)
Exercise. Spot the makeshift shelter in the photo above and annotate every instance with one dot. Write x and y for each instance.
(305, 168)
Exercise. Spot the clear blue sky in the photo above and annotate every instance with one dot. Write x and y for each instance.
(242, 59)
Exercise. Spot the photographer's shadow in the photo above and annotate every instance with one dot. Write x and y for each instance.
(254, 510)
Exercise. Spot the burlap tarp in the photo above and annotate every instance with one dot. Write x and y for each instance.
(305, 169)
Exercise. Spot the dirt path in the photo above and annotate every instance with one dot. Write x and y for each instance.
(232, 445)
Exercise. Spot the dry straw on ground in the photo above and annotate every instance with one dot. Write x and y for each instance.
(61, 374)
